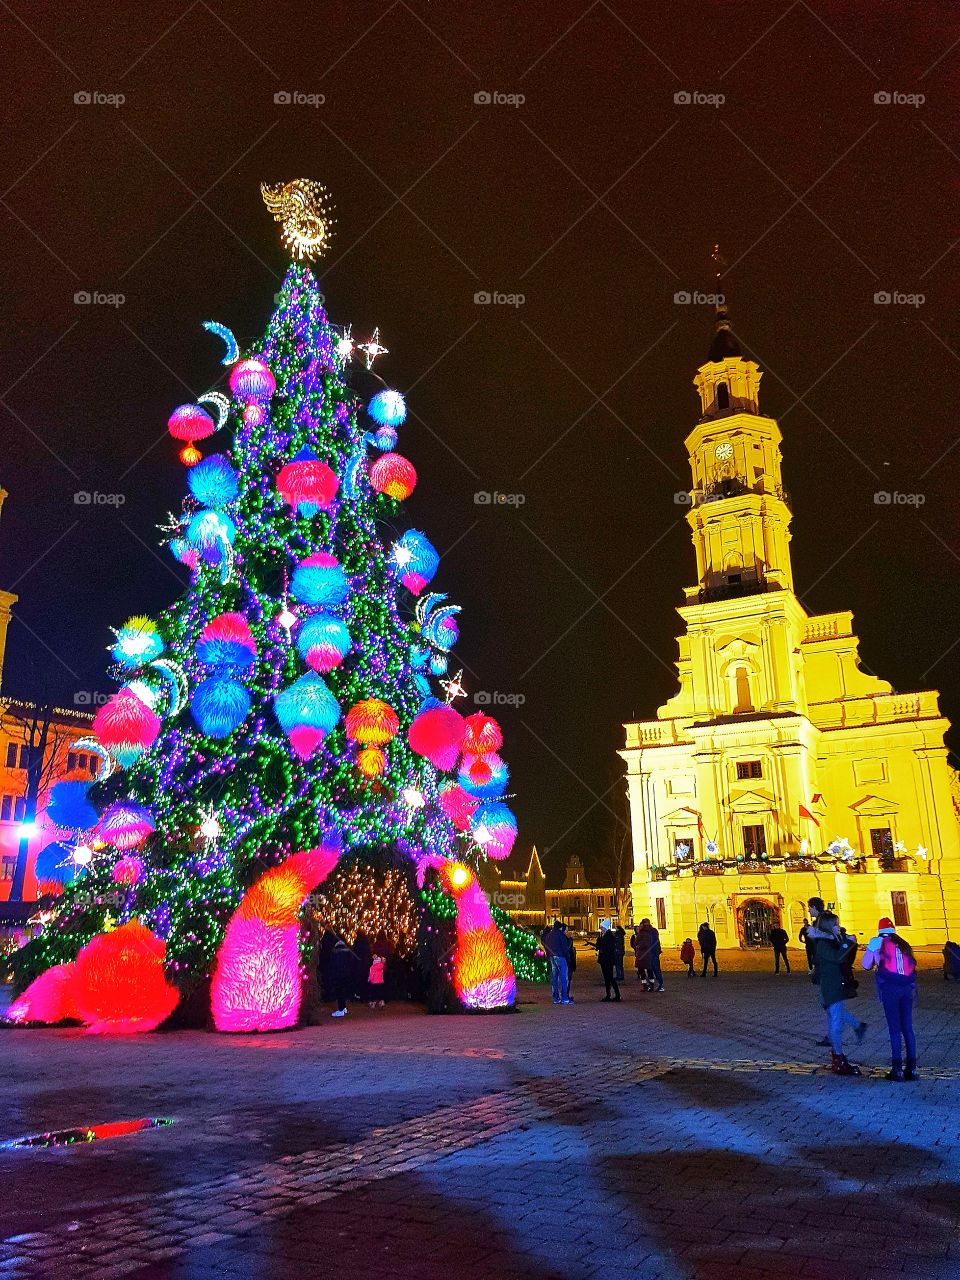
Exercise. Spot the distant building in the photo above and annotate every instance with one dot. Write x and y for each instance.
(531, 904)
(62, 759)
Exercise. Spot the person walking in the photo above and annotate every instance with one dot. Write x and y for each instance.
(708, 948)
(556, 946)
(620, 938)
(832, 974)
(778, 940)
(896, 967)
(687, 956)
(571, 960)
(344, 969)
(607, 956)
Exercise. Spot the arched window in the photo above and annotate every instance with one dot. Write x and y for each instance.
(723, 396)
(744, 700)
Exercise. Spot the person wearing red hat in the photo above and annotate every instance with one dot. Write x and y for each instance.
(896, 968)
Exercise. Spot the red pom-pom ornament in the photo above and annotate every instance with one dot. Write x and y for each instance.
(393, 475)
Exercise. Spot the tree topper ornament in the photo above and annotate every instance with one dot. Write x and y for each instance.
(304, 211)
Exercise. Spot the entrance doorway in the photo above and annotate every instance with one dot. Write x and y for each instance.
(756, 920)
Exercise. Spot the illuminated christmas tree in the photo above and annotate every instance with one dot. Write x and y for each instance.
(289, 715)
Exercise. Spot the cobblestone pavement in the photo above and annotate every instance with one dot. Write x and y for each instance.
(690, 1135)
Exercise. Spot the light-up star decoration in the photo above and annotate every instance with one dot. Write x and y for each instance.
(372, 348)
(454, 688)
(304, 211)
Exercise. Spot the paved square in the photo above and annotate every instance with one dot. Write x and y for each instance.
(692, 1134)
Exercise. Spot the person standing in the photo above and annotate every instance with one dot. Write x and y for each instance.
(607, 956)
(555, 944)
(620, 938)
(778, 940)
(655, 950)
(708, 948)
(687, 956)
(571, 960)
(344, 976)
(896, 966)
(807, 942)
(831, 973)
(641, 945)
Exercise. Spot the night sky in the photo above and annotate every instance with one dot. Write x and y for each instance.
(598, 198)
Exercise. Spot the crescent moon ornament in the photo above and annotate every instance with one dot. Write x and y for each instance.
(219, 402)
(221, 330)
(176, 679)
(304, 210)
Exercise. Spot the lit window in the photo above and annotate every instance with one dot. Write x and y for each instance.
(754, 842)
(749, 769)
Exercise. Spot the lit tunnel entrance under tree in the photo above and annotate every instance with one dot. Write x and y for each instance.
(756, 918)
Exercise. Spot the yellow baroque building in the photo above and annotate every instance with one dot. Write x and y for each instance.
(781, 769)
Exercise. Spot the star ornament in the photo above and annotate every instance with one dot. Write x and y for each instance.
(346, 344)
(372, 348)
(454, 688)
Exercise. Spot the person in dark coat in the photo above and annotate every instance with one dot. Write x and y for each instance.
(607, 956)
(558, 949)
(832, 973)
(646, 950)
(807, 942)
(325, 950)
(778, 940)
(364, 953)
(708, 948)
(951, 962)
(571, 959)
(620, 936)
(345, 971)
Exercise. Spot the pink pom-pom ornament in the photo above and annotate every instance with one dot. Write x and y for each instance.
(436, 734)
(393, 475)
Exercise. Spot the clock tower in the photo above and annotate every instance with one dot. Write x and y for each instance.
(739, 514)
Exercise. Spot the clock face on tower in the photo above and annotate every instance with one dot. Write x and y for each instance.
(724, 452)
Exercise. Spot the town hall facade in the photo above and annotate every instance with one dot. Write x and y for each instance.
(780, 769)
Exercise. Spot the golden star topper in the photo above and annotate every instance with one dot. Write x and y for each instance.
(305, 213)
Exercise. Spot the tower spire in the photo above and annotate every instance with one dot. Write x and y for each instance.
(725, 344)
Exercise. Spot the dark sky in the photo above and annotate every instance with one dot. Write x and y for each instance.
(598, 198)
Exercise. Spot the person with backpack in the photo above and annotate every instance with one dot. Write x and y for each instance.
(832, 973)
(708, 948)
(896, 968)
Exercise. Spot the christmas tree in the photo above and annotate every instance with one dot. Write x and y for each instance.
(292, 715)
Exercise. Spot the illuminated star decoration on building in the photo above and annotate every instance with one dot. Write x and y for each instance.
(372, 348)
(712, 847)
(454, 688)
(304, 211)
(841, 848)
(921, 853)
(681, 851)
